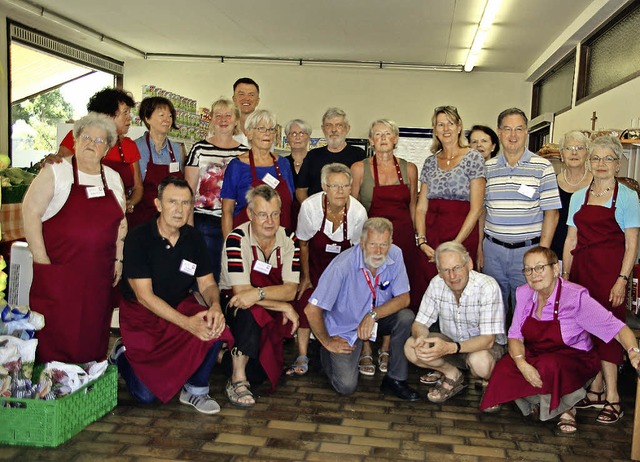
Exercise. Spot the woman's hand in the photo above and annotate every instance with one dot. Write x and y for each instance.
(428, 251)
(117, 273)
(618, 291)
(290, 314)
(305, 284)
(529, 373)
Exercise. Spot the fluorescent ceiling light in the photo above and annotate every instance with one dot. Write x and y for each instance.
(490, 10)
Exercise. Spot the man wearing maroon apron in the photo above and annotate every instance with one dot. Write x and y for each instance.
(260, 274)
(169, 341)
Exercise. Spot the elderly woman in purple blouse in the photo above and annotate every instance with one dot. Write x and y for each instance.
(551, 356)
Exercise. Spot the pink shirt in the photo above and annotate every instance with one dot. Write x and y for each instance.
(579, 315)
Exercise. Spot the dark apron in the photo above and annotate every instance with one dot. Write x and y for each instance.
(74, 291)
(597, 258)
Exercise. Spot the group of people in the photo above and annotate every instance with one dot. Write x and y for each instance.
(232, 248)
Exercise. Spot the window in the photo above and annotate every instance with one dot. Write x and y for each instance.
(554, 91)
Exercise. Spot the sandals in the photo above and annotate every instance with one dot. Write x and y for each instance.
(443, 394)
(587, 402)
(383, 361)
(431, 378)
(608, 415)
(567, 426)
(235, 396)
(299, 368)
(366, 369)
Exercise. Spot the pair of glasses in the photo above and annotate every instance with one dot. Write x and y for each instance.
(336, 187)
(446, 109)
(271, 130)
(90, 139)
(606, 160)
(297, 134)
(538, 269)
(264, 216)
(454, 270)
(575, 148)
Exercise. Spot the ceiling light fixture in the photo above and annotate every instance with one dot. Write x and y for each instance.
(489, 14)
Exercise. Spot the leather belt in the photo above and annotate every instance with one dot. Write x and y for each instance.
(514, 245)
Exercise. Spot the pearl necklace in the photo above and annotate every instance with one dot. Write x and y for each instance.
(600, 194)
(564, 173)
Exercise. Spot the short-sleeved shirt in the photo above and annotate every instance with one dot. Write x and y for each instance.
(345, 296)
(238, 179)
(311, 215)
(479, 312)
(309, 176)
(517, 197)
(159, 158)
(237, 256)
(454, 184)
(579, 315)
(147, 255)
(211, 162)
(627, 207)
(129, 149)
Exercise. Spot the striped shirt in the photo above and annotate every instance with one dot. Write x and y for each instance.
(480, 311)
(516, 197)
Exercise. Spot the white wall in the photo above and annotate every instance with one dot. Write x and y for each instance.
(4, 87)
(408, 97)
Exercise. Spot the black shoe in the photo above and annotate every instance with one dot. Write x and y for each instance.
(400, 388)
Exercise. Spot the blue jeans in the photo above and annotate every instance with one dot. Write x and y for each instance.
(198, 383)
(505, 266)
(211, 229)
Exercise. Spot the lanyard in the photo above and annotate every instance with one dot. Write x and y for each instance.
(372, 287)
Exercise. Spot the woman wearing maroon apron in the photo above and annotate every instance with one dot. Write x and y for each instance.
(159, 156)
(76, 242)
(599, 254)
(551, 356)
(452, 189)
(329, 223)
(258, 166)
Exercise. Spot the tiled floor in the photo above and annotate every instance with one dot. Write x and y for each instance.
(306, 420)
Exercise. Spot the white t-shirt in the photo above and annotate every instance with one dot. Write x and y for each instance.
(310, 220)
(63, 179)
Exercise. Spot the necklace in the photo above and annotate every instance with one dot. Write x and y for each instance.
(600, 194)
(449, 159)
(564, 173)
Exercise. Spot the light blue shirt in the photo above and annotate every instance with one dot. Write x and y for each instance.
(345, 296)
(627, 207)
(160, 158)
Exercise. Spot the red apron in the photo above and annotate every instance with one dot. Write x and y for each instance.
(146, 209)
(81, 243)
(600, 245)
(393, 202)
(283, 192)
(322, 251)
(163, 355)
(563, 369)
(443, 222)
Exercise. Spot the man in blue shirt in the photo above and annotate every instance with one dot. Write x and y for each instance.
(363, 292)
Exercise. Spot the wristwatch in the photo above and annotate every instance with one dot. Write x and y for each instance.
(261, 294)
(373, 314)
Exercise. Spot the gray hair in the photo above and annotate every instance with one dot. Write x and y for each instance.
(260, 115)
(335, 112)
(300, 123)
(512, 111)
(100, 121)
(574, 135)
(265, 191)
(452, 246)
(378, 225)
(606, 142)
(390, 124)
(335, 167)
(226, 104)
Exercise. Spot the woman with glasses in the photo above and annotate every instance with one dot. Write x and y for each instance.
(204, 170)
(574, 175)
(551, 353)
(75, 225)
(257, 166)
(329, 222)
(298, 133)
(599, 254)
(387, 186)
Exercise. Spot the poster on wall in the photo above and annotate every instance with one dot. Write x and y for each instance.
(414, 145)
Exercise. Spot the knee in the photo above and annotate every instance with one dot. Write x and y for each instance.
(403, 321)
(410, 351)
(345, 385)
(481, 364)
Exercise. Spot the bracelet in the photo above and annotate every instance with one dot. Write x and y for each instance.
(458, 347)
(565, 272)
(634, 349)
(119, 261)
(422, 243)
(626, 278)
(517, 356)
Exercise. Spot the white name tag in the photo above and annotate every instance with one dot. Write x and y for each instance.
(174, 167)
(271, 180)
(332, 248)
(262, 267)
(526, 190)
(474, 332)
(95, 191)
(374, 332)
(187, 267)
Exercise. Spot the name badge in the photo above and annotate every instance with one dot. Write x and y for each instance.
(271, 180)
(526, 190)
(174, 167)
(374, 332)
(187, 267)
(473, 332)
(95, 191)
(332, 248)
(262, 267)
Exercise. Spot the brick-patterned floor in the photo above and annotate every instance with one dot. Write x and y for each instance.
(306, 420)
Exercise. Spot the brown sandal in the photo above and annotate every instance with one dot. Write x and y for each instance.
(608, 415)
(587, 402)
(444, 394)
(570, 426)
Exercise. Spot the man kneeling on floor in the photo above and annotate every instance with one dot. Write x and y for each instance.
(170, 341)
(363, 290)
(470, 309)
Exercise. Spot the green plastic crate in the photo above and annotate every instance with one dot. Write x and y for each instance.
(51, 423)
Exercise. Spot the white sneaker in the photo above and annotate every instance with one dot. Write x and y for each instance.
(203, 403)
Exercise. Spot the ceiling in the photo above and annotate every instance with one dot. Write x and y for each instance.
(432, 32)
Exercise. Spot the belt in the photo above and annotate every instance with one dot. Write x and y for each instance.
(514, 245)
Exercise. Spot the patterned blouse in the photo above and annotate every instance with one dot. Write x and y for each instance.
(454, 184)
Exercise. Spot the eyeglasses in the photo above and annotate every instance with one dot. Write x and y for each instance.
(271, 130)
(263, 216)
(446, 109)
(606, 160)
(538, 269)
(575, 148)
(338, 126)
(297, 134)
(88, 139)
(336, 187)
(519, 130)
(456, 269)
